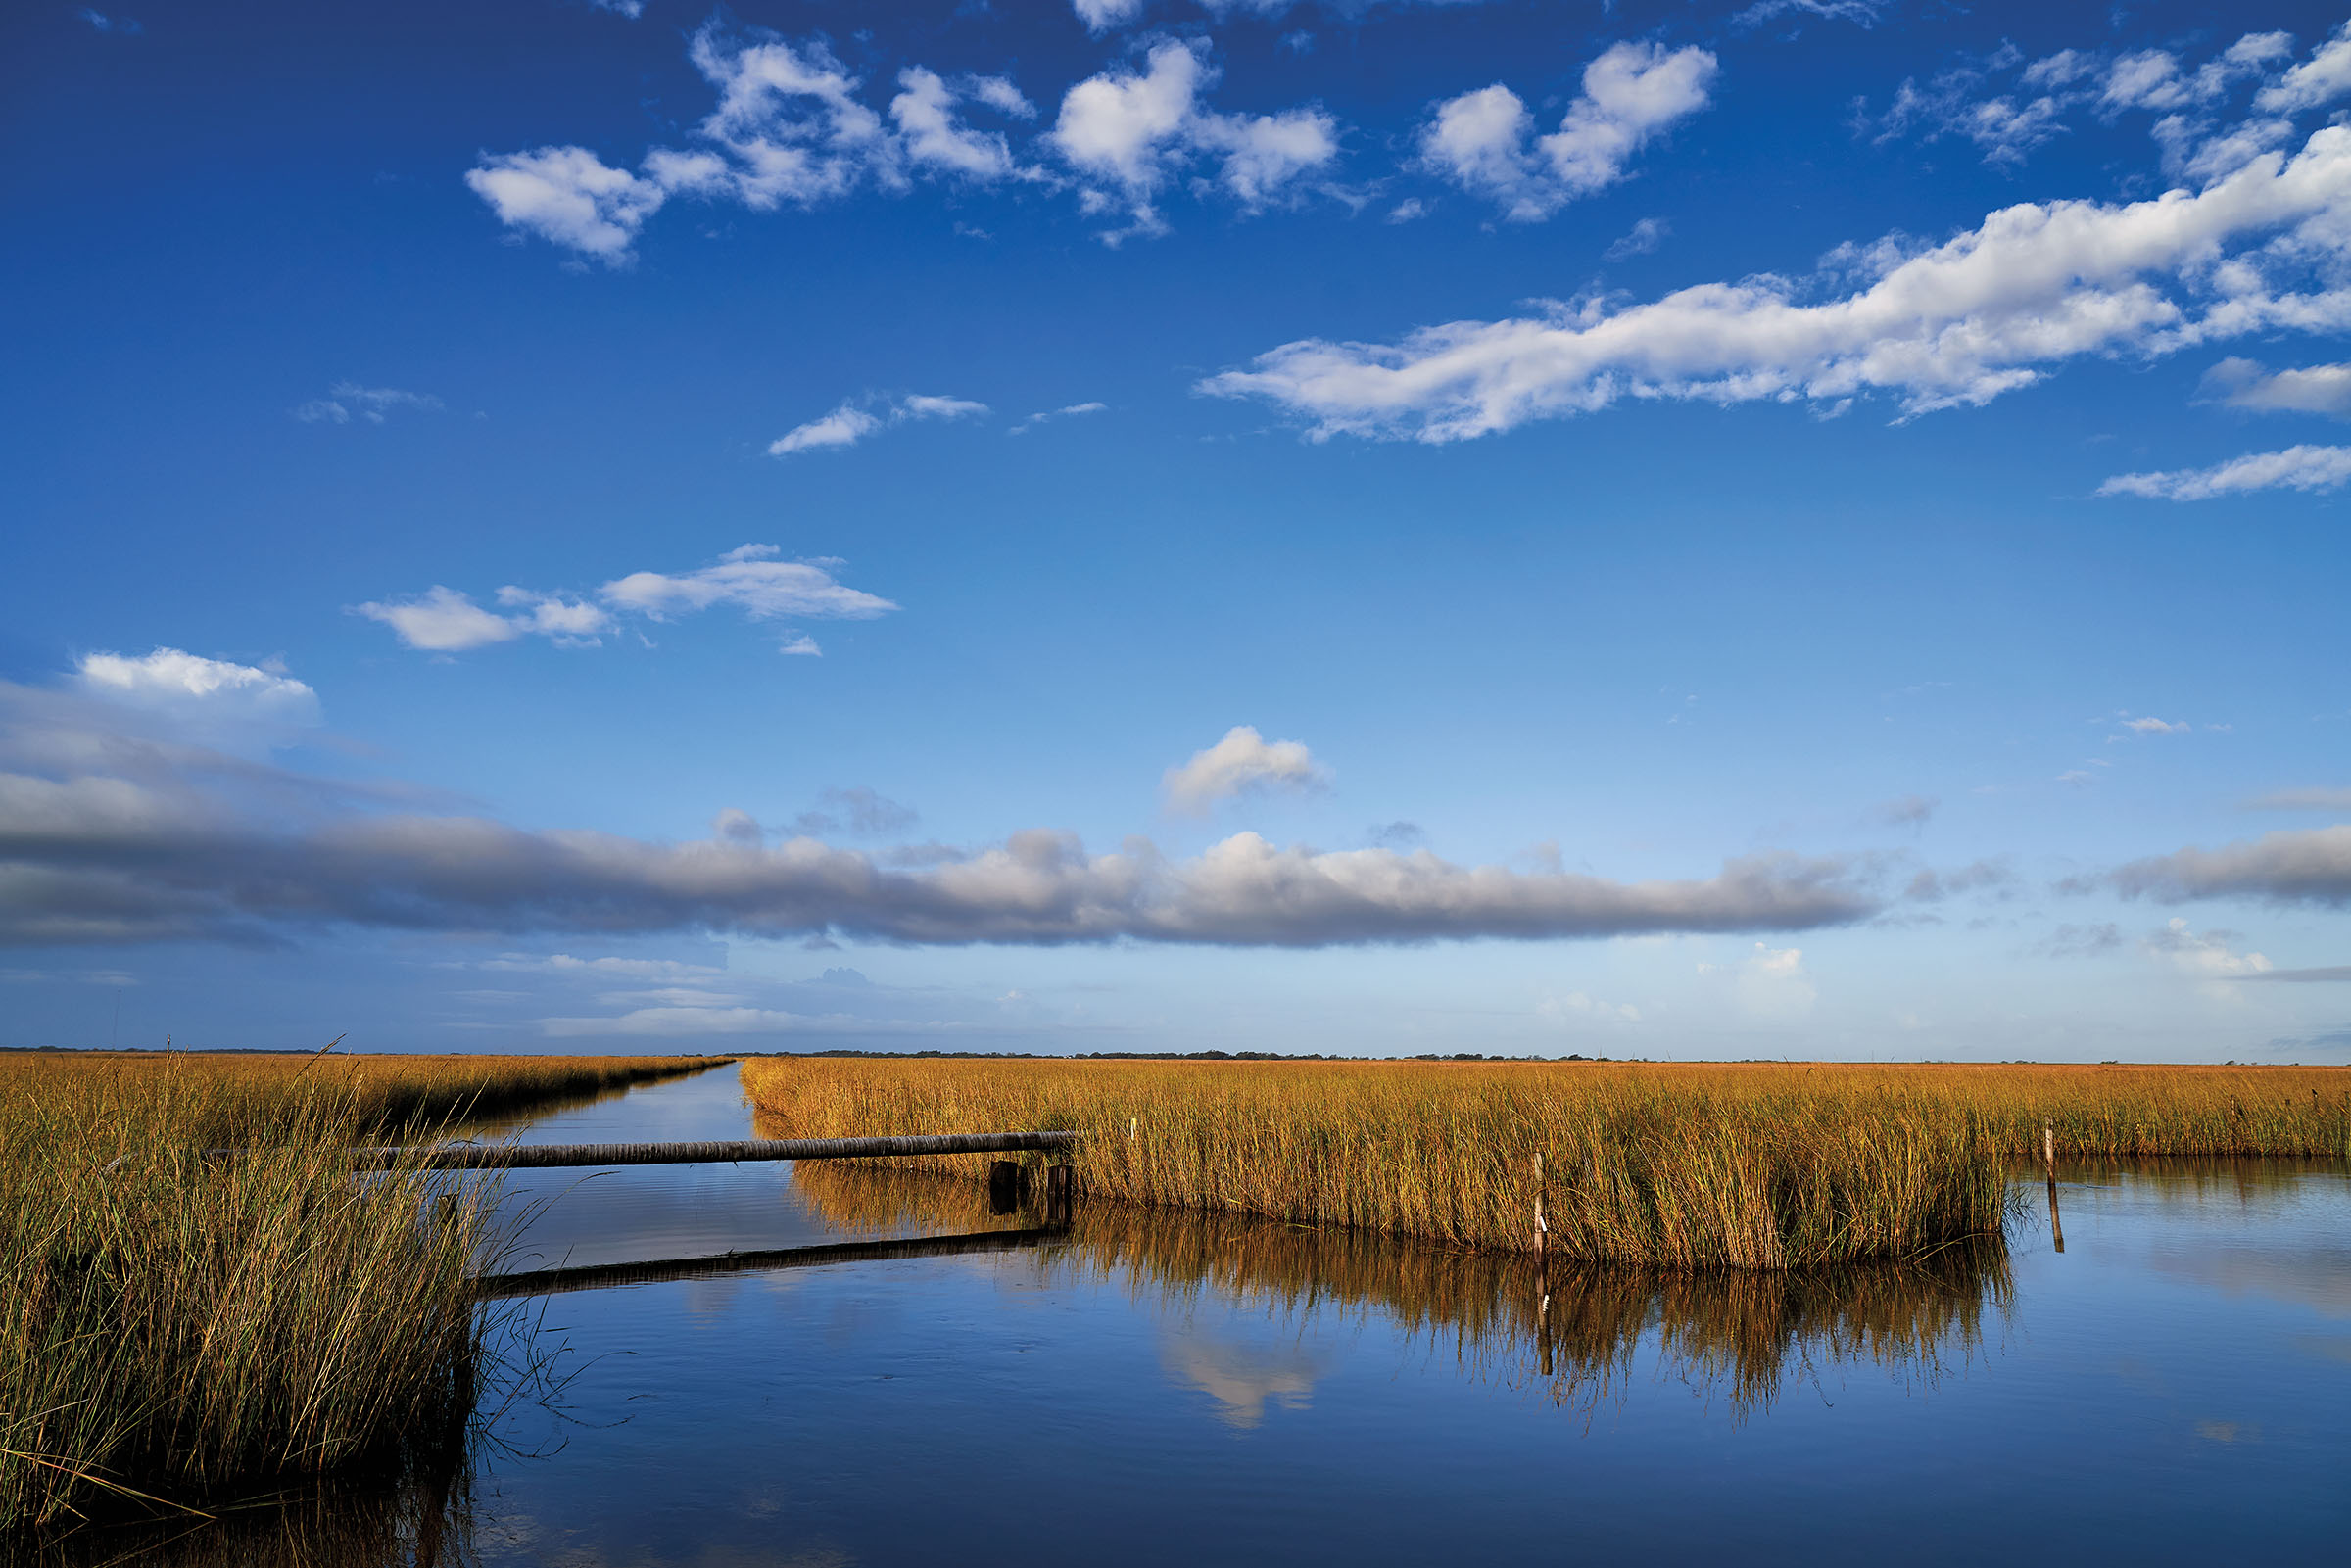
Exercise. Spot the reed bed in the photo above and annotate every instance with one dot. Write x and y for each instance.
(177, 1325)
(1746, 1165)
(1687, 1170)
(1739, 1333)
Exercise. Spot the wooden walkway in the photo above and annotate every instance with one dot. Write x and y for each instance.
(547, 1156)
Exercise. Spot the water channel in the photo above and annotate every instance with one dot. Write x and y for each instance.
(2174, 1386)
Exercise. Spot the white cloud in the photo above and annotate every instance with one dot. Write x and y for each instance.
(790, 127)
(371, 403)
(443, 620)
(2148, 723)
(1242, 763)
(2205, 956)
(2325, 77)
(570, 195)
(1480, 140)
(172, 680)
(849, 423)
(2312, 468)
(1406, 210)
(1772, 984)
(763, 588)
(100, 21)
(2007, 125)
(1644, 237)
(1103, 15)
(1958, 323)
(924, 112)
(2324, 389)
(1073, 409)
(845, 426)
(1862, 13)
(631, 9)
(1126, 133)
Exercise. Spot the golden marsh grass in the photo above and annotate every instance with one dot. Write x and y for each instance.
(1745, 1166)
(175, 1324)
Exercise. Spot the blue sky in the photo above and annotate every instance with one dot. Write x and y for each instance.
(1675, 531)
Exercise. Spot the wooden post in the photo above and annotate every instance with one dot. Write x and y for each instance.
(1060, 1186)
(1003, 1187)
(1542, 1274)
(2048, 1162)
(1542, 1225)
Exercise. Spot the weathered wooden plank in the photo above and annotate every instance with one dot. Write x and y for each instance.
(525, 1157)
(604, 1276)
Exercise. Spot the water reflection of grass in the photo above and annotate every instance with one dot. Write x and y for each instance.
(175, 1324)
(1761, 1166)
(1741, 1333)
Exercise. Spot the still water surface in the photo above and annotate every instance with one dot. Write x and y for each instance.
(2175, 1387)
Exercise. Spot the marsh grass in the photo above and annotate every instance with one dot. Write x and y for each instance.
(1740, 1334)
(1756, 1166)
(177, 1325)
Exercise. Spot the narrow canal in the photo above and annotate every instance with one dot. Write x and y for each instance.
(1157, 1389)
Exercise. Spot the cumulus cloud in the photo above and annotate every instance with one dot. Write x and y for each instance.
(1103, 15)
(570, 195)
(442, 620)
(1243, 763)
(2308, 468)
(1484, 141)
(1126, 134)
(2314, 389)
(2310, 866)
(93, 849)
(1936, 326)
(346, 399)
(2205, 956)
(925, 114)
(852, 422)
(2322, 80)
(791, 126)
(185, 685)
(749, 577)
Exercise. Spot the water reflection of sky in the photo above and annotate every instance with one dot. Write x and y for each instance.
(1161, 1391)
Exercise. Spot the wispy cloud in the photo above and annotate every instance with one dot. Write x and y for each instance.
(2306, 468)
(853, 421)
(2322, 389)
(347, 401)
(1936, 326)
(443, 620)
(1073, 409)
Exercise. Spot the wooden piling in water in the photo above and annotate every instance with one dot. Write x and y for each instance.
(2048, 1162)
(1061, 1191)
(1003, 1187)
